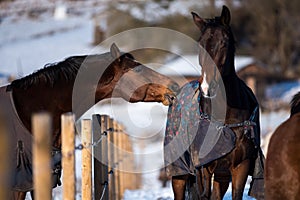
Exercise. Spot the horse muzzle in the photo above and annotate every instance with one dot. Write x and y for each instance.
(169, 99)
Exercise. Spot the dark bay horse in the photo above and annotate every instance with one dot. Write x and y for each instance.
(282, 177)
(240, 114)
(50, 89)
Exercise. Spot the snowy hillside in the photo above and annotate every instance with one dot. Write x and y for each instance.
(26, 46)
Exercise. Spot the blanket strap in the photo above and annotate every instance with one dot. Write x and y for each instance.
(56, 166)
(248, 124)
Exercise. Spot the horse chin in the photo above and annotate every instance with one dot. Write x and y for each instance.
(148, 96)
(169, 99)
(166, 102)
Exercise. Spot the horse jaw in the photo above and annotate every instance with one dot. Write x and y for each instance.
(150, 95)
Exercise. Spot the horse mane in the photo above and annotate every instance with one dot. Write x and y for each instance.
(65, 70)
(51, 73)
(295, 104)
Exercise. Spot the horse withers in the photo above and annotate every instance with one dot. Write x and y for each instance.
(51, 89)
(241, 121)
(282, 176)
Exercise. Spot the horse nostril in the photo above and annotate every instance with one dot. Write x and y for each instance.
(174, 87)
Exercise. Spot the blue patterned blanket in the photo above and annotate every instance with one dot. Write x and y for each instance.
(190, 140)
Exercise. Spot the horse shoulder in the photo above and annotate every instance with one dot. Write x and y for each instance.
(293, 141)
(277, 140)
(283, 159)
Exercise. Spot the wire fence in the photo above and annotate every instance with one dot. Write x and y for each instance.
(103, 143)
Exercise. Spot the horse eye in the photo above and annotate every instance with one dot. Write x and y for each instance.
(128, 55)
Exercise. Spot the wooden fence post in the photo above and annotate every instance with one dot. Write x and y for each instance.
(100, 157)
(122, 161)
(130, 161)
(111, 155)
(41, 126)
(86, 135)
(4, 159)
(125, 162)
(116, 160)
(68, 155)
(96, 131)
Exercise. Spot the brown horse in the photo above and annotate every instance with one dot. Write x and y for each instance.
(50, 89)
(282, 177)
(240, 112)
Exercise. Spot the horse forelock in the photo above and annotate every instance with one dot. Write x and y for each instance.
(295, 104)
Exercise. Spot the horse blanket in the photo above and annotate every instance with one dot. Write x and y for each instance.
(191, 139)
(20, 152)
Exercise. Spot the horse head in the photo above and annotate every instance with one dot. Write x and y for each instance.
(135, 82)
(216, 43)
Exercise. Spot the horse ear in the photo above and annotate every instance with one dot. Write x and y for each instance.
(198, 20)
(225, 16)
(115, 52)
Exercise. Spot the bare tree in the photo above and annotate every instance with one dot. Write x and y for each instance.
(275, 33)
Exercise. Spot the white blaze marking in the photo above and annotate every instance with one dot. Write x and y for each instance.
(204, 85)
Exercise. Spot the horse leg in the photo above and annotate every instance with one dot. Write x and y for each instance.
(220, 184)
(204, 183)
(219, 190)
(178, 185)
(239, 178)
(32, 194)
(14, 195)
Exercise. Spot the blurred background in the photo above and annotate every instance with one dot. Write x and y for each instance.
(36, 32)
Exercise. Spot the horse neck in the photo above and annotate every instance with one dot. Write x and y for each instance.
(86, 94)
(229, 63)
(55, 100)
(219, 105)
(228, 73)
(239, 104)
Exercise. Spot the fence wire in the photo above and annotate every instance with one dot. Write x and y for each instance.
(110, 173)
(104, 134)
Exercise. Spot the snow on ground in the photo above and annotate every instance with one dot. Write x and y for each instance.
(27, 45)
(22, 54)
(151, 188)
(144, 10)
(283, 92)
